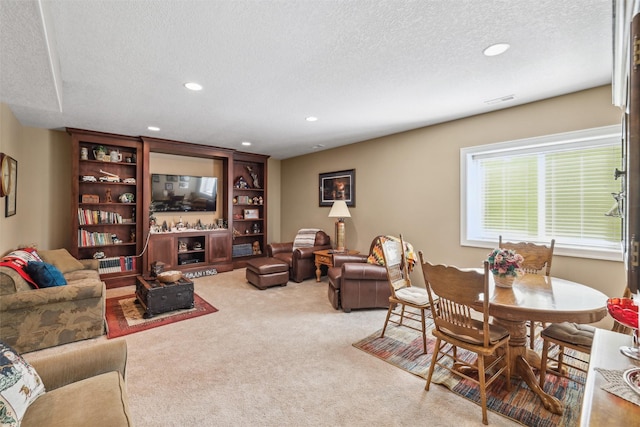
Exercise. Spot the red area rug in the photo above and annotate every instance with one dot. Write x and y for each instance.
(125, 317)
(402, 347)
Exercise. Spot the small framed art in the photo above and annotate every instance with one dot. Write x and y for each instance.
(251, 214)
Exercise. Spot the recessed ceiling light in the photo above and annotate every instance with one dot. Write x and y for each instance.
(501, 99)
(193, 86)
(311, 119)
(317, 146)
(153, 128)
(246, 143)
(496, 49)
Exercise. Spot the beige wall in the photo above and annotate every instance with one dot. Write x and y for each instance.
(44, 186)
(273, 205)
(406, 183)
(409, 183)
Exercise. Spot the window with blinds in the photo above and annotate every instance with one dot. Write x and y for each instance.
(554, 187)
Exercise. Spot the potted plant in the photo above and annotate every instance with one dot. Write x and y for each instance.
(506, 265)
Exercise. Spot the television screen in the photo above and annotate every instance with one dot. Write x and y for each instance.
(184, 193)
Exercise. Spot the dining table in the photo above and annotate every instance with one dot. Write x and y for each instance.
(548, 299)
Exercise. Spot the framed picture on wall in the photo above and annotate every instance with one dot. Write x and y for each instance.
(339, 185)
(11, 198)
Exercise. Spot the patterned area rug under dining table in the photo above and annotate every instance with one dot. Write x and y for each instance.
(402, 347)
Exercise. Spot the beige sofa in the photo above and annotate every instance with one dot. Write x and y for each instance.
(33, 319)
(84, 387)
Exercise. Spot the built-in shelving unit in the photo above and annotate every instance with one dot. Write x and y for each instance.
(106, 202)
(112, 195)
(249, 207)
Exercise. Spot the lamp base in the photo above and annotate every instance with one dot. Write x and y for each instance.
(340, 235)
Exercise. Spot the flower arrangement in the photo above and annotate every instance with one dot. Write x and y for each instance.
(505, 262)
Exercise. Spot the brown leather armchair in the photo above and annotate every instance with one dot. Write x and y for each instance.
(301, 261)
(354, 283)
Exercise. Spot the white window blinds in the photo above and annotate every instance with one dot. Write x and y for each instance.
(555, 187)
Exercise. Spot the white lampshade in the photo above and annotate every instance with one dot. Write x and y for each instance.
(339, 210)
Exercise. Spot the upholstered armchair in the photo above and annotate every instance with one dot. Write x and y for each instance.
(355, 283)
(301, 260)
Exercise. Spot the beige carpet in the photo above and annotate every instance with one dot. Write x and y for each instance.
(278, 357)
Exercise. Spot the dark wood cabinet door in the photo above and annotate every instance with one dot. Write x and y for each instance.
(163, 248)
(219, 246)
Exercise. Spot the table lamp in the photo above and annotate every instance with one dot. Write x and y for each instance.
(341, 211)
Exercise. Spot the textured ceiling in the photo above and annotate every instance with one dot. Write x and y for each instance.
(365, 68)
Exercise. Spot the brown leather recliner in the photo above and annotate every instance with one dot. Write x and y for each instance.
(301, 261)
(354, 283)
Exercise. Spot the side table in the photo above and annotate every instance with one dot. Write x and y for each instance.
(325, 257)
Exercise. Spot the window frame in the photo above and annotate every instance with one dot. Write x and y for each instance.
(534, 144)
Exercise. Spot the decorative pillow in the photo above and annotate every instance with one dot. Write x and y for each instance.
(62, 259)
(17, 260)
(45, 275)
(20, 386)
(376, 257)
(24, 254)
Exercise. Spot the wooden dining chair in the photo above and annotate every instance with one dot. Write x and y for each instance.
(537, 260)
(403, 295)
(557, 337)
(462, 296)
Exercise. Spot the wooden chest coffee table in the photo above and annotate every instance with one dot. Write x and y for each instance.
(157, 297)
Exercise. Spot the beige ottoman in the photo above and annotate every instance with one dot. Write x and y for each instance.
(264, 273)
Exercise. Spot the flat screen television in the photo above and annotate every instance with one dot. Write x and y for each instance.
(183, 193)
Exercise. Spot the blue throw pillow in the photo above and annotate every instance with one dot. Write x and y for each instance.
(45, 275)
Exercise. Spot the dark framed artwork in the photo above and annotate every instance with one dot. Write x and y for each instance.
(339, 185)
(168, 186)
(11, 198)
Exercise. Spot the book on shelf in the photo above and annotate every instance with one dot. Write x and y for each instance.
(118, 264)
(91, 217)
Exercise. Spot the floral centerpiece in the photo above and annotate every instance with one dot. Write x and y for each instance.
(505, 264)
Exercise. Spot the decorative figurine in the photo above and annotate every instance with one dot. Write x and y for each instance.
(241, 183)
(254, 176)
(157, 267)
(107, 196)
(256, 248)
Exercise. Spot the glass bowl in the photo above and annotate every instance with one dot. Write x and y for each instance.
(623, 310)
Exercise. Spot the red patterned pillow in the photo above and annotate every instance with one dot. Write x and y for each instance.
(18, 260)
